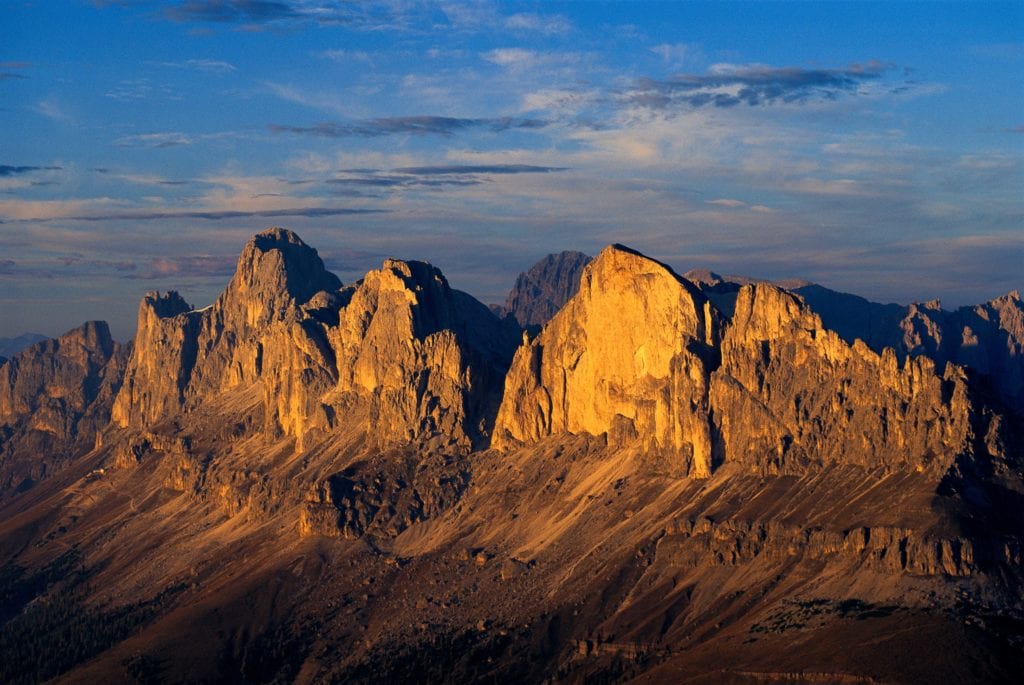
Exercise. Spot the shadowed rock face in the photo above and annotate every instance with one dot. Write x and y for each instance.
(987, 338)
(12, 346)
(55, 397)
(541, 291)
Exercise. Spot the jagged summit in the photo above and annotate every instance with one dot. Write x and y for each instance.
(165, 305)
(415, 356)
(55, 397)
(275, 268)
(541, 291)
(630, 354)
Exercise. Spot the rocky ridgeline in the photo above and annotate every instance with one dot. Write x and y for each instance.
(642, 355)
(790, 393)
(55, 397)
(416, 357)
(663, 471)
(698, 377)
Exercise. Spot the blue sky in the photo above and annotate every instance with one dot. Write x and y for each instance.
(873, 148)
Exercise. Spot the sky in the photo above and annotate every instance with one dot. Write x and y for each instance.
(873, 148)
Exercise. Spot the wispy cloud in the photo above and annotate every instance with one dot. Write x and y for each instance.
(51, 109)
(413, 125)
(187, 266)
(155, 140)
(521, 59)
(256, 14)
(140, 179)
(740, 204)
(209, 215)
(231, 11)
(678, 53)
(62, 267)
(344, 56)
(392, 182)
(478, 169)
(327, 101)
(729, 85)
(9, 170)
(13, 64)
(563, 100)
(129, 90)
(207, 65)
(548, 25)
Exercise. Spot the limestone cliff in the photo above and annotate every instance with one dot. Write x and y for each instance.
(630, 354)
(988, 337)
(541, 291)
(640, 354)
(429, 357)
(184, 357)
(398, 355)
(55, 396)
(790, 392)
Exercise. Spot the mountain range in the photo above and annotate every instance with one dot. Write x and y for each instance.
(622, 474)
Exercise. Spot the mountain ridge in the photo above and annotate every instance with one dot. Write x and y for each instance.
(315, 482)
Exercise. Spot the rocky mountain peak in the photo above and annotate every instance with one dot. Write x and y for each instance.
(55, 396)
(674, 494)
(165, 305)
(541, 291)
(629, 356)
(276, 268)
(400, 348)
(767, 312)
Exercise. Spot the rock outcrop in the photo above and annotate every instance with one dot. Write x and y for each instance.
(400, 354)
(790, 392)
(629, 355)
(987, 338)
(641, 355)
(545, 287)
(183, 357)
(55, 397)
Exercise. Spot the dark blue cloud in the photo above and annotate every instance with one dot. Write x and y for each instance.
(414, 125)
(231, 11)
(478, 169)
(268, 13)
(218, 215)
(400, 182)
(752, 85)
(8, 170)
